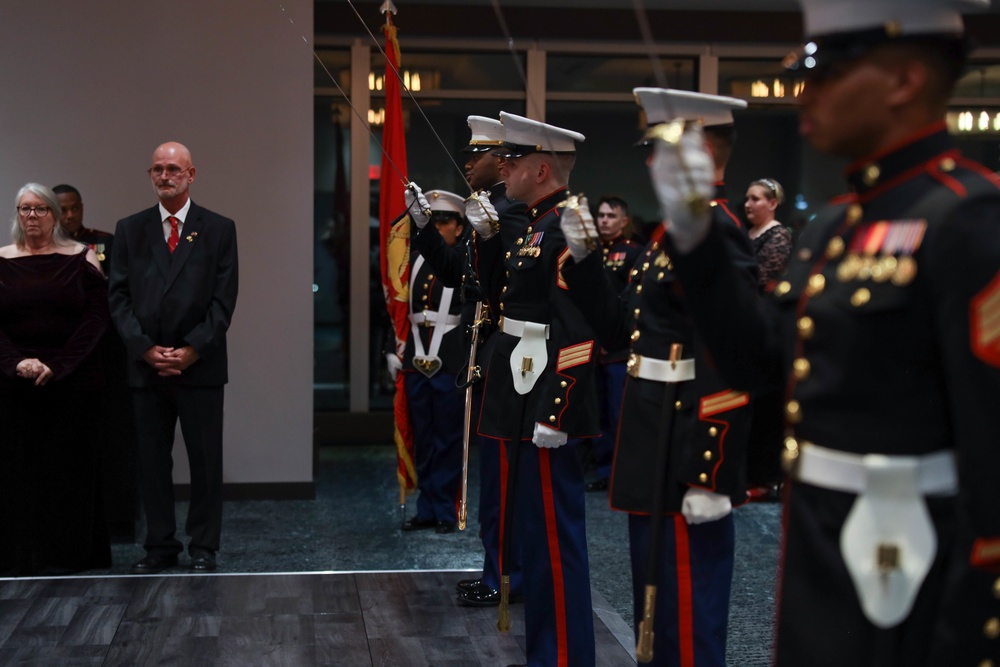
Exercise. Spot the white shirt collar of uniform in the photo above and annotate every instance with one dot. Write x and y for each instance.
(180, 215)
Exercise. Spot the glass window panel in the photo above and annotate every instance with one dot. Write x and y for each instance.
(981, 80)
(758, 81)
(427, 72)
(331, 255)
(335, 64)
(614, 74)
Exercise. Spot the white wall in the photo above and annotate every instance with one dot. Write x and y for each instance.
(89, 89)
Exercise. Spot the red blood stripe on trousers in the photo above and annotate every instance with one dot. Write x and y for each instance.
(685, 612)
(555, 558)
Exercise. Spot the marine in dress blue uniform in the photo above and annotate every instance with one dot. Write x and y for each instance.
(620, 252)
(541, 367)
(882, 328)
(708, 432)
(434, 355)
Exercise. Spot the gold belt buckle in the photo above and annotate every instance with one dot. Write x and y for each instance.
(527, 363)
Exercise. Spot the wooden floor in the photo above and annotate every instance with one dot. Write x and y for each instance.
(400, 619)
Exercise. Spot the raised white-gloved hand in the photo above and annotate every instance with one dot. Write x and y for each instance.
(394, 363)
(683, 174)
(417, 206)
(701, 506)
(548, 437)
(482, 215)
(578, 227)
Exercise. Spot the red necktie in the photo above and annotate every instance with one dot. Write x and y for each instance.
(174, 234)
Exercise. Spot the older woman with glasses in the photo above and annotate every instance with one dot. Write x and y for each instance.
(53, 311)
(772, 241)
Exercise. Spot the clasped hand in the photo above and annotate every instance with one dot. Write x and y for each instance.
(170, 361)
(33, 369)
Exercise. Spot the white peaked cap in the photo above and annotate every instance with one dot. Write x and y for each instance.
(897, 17)
(524, 136)
(663, 105)
(487, 134)
(442, 201)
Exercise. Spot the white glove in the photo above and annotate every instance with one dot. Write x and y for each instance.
(420, 213)
(701, 506)
(548, 437)
(683, 176)
(394, 363)
(578, 227)
(482, 215)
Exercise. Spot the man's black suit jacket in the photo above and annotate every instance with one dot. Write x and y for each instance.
(178, 299)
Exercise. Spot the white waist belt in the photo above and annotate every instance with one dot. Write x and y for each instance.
(429, 318)
(660, 370)
(888, 541)
(516, 327)
(843, 471)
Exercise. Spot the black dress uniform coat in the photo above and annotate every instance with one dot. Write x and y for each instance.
(712, 419)
(619, 257)
(564, 398)
(885, 326)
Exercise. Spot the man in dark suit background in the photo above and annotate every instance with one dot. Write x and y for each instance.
(172, 289)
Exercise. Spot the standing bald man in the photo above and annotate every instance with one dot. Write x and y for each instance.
(173, 288)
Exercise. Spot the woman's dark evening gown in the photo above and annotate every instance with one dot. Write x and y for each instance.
(53, 308)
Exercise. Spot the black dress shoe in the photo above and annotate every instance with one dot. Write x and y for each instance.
(598, 485)
(154, 563)
(203, 561)
(417, 524)
(467, 585)
(482, 596)
(444, 527)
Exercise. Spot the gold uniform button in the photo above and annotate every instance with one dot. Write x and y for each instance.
(426, 285)
(507, 256)
(678, 405)
(563, 384)
(558, 401)
(816, 284)
(947, 164)
(552, 418)
(854, 214)
(793, 411)
(871, 175)
(789, 454)
(638, 289)
(801, 368)
(430, 276)
(645, 266)
(659, 276)
(703, 477)
(534, 214)
(712, 431)
(520, 241)
(992, 628)
(528, 230)
(635, 336)
(835, 248)
(782, 288)
(501, 306)
(707, 455)
(636, 313)
(987, 663)
(996, 588)
(635, 272)
(806, 327)
(805, 254)
(520, 263)
(861, 297)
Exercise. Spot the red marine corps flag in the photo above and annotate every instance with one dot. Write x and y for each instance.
(395, 244)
